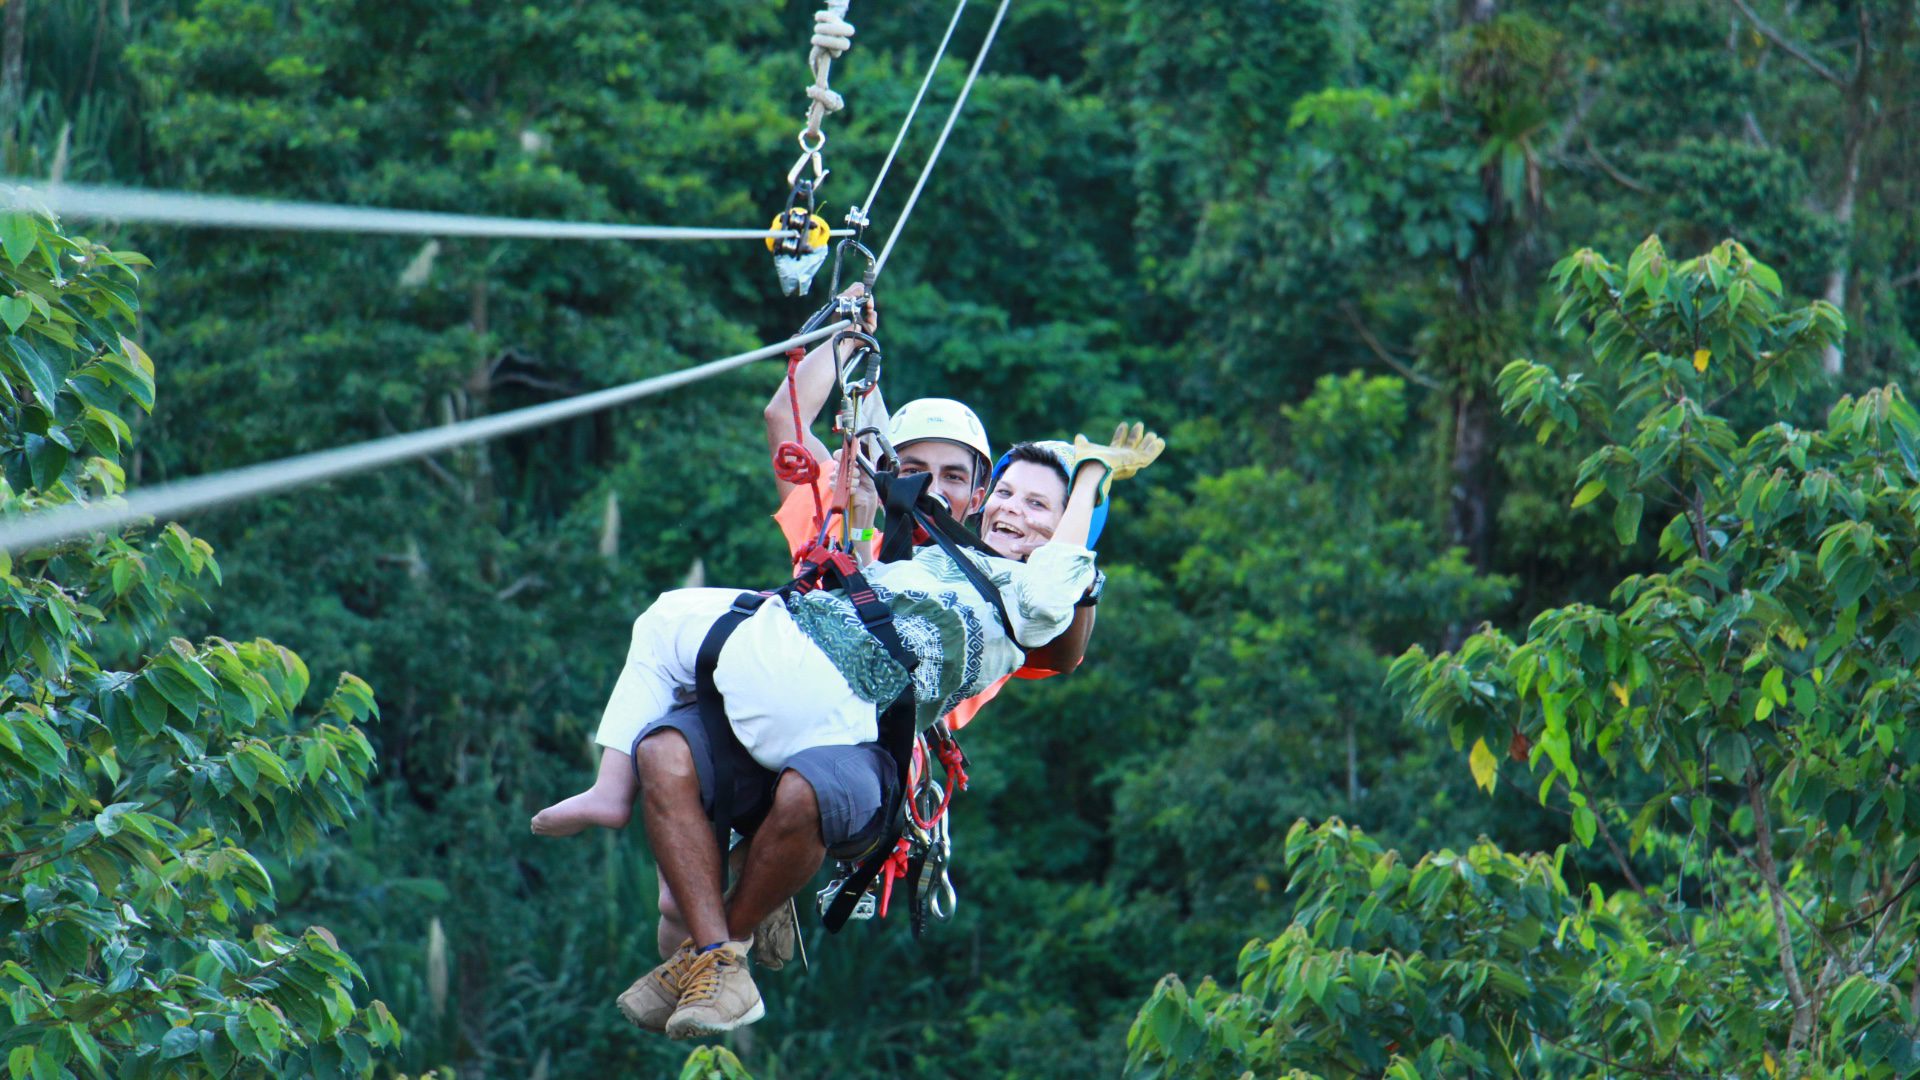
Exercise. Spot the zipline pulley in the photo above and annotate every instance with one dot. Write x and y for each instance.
(798, 256)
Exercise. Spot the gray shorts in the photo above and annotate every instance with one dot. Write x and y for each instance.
(852, 784)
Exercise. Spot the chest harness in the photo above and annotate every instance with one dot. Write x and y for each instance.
(914, 845)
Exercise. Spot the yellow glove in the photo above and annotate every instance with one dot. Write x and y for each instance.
(1132, 449)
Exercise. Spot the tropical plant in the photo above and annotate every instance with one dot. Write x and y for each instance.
(1742, 715)
(143, 780)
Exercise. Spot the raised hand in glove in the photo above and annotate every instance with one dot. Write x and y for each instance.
(1132, 449)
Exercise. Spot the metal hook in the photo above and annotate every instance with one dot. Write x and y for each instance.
(810, 153)
(867, 279)
(866, 358)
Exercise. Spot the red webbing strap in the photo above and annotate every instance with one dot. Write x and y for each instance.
(955, 761)
(791, 462)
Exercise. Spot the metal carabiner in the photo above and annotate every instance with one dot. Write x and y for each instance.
(885, 446)
(941, 897)
(867, 279)
(866, 359)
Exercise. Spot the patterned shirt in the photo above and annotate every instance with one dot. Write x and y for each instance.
(962, 646)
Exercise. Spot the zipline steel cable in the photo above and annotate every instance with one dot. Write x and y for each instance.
(861, 214)
(979, 60)
(254, 481)
(230, 212)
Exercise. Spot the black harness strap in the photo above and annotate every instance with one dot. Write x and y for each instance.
(713, 716)
(896, 738)
(909, 507)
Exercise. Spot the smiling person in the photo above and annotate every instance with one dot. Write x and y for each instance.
(803, 682)
(929, 435)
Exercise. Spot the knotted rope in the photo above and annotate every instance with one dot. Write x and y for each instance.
(832, 35)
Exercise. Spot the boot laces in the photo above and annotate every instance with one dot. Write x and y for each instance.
(673, 974)
(704, 974)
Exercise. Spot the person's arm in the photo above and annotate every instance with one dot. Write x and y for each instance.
(1077, 522)
(1065, 652)
(814, 381)
(1095, 467)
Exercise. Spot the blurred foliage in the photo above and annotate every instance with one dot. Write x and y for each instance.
(1301, 237)
(137, 803)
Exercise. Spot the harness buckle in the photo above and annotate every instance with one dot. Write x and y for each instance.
(748, 603)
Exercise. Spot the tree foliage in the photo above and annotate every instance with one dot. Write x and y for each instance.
(1740, 715)
(1304, 237)
(138, 800)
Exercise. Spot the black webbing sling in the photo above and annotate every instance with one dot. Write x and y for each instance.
(713, 717)
(908, 506)
(874, 615)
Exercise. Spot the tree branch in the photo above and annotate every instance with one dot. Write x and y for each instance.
(1770, 873)
(1619, 856)
(1797, 52)
(1613, 174)
(1604, 1059)
(1379, 350)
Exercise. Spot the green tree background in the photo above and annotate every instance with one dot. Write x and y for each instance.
(1304, 238)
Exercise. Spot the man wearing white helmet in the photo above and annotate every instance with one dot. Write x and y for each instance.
(828, 798)
(943, 437)
(931, 435)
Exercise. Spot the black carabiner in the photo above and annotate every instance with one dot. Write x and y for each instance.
(840, 252)
(866, 357)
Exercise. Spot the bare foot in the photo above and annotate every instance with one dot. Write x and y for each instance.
(569, 816)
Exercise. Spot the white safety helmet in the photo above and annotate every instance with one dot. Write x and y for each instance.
(939, 418)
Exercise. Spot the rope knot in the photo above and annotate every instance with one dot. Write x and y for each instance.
(832, 33)
(828, 99)
(792, 464)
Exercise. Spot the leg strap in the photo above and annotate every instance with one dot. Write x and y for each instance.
(896, 738)
(713, 716)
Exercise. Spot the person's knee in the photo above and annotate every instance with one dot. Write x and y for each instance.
(662, 757)
(796, 806)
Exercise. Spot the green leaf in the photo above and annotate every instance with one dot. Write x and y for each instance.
(1588, 492)
(179, 1042)
(108, 820)
(14, 311)
(83, 1042)
(1626, 518)
(1315, 973)
(46, 460)
(231, 956)
(18, 232)
(39, 371)
(1584, 825)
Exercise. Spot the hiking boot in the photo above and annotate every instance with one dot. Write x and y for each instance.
(719, 994)
(774, 939)
(652, 999)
